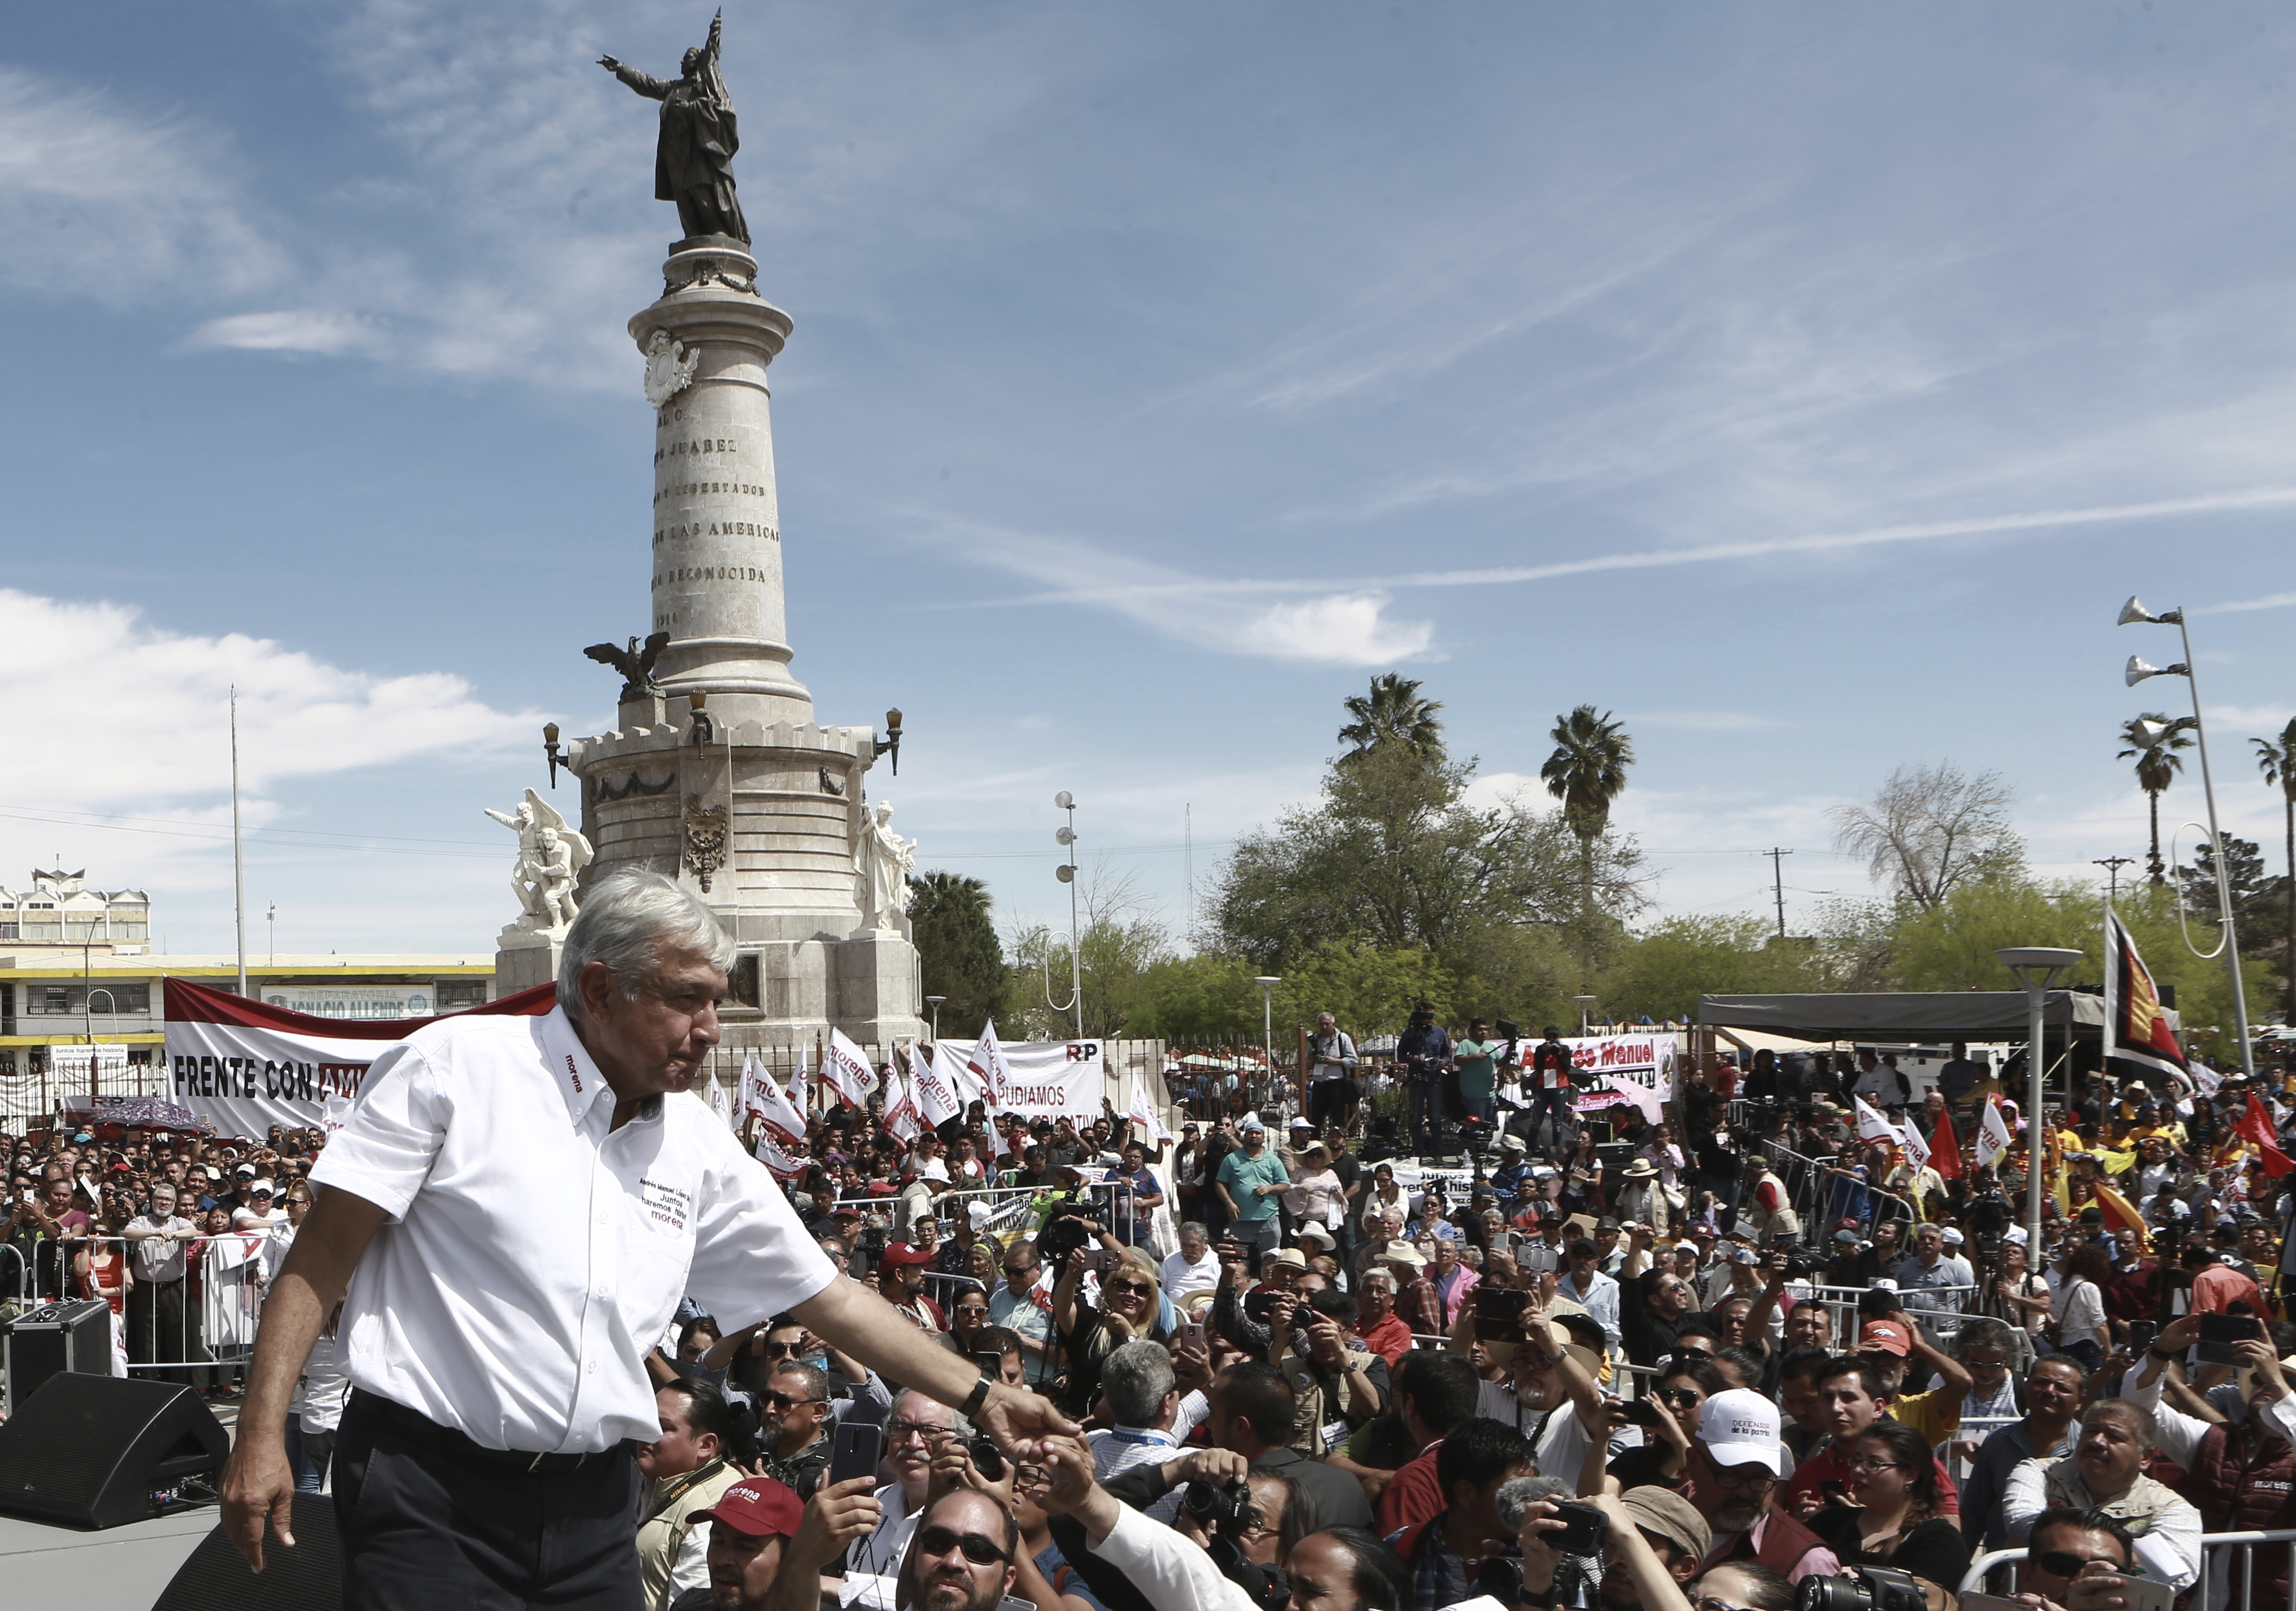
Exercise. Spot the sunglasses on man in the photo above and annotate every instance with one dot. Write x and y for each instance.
(979, 1551)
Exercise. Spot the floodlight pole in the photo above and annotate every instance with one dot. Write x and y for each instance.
(2037, 967)
(2134, 611)
(1268, 984)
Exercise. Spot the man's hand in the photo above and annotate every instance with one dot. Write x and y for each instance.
(2178, 1334)
(258, 1487)
(2271, 1386)
(836, 1515)
(609, 64)
(1217, 1467)
(1192, 1367)
(1020, 1423)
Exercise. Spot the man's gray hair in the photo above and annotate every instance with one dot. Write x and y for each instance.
(1981, 1331)
(630, 920)
(1136, 1377)
(1196, 1227)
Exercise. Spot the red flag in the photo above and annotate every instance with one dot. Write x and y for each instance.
(2255, 1125)
(1945, 1148)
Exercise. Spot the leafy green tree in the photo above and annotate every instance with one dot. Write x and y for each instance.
(2157, 767)
(2277, 760)
(1665, 969)
(1587, 772)
(1393, 713)
(1392, 856)
(1370, 989)
(957, 951)
(1197, 999)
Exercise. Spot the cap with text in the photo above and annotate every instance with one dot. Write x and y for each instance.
(759, 1507)
(1740, 1427)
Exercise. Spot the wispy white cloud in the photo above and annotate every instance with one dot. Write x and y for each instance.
(81, 174)
(2271, 600)
(1705, 721)
(322, 331)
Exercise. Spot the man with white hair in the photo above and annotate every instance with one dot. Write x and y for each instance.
(509, 1216)
(912, 1436)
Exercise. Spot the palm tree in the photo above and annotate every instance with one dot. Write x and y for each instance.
(1393, 710)
(1586, 771)
(2277, 763)
(2157, 767)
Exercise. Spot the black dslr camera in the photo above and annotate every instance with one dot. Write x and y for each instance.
(1862, 1589)
(1224, 1512)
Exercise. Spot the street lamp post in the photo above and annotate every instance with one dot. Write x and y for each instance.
(934, 1002)
(2037, 967)
(1585, 1001)
(1066, 873)
(2137, 671)
(1268, 982)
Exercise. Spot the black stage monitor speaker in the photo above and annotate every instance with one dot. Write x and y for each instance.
(309, 1577)
(75, 1334)
(89, 1451)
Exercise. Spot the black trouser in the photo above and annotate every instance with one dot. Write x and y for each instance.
(155, 1326)
(430, 1520)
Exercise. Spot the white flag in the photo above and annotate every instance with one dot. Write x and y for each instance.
(900, 1103)
(988, 1066)
(937, 1101)
(846, 1071)
(784, 1118)
(963, 1085)
(720, 1106)
(778, 1164)
(1142, 1112)
(1871, 1125)
(1644, 1099)
(801, 1085)
(1917, 1150)
(755, 1081)
(1992, 1134)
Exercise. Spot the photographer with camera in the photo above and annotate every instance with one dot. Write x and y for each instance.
(1348, 1571)
(1649, 1541)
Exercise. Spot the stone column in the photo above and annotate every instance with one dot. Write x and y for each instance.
(717, 570)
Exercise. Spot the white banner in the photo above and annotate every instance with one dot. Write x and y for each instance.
(106, 1063)
(368, 1001)
(1871, 1125)
(1043, 1079)
(1917, 1150)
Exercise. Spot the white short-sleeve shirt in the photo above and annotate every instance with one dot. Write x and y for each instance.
(534, 1253)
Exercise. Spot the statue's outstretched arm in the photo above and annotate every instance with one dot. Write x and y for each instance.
(716, 35)
(505, 818)
(645, 84)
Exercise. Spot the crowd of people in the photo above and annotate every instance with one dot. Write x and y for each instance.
(1673, 1363)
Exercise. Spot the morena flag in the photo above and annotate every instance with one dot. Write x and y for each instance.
(2136, 1025)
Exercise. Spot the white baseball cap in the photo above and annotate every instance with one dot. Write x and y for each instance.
(1740, 1427)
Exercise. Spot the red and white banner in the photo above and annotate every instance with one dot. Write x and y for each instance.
(245, 1066)
(1602, 1066)
(900, 1100)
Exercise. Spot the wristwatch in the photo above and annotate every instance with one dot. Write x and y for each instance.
(2155, 1352)
(974, 1399)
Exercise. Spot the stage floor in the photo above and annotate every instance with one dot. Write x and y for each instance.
(119, 1569)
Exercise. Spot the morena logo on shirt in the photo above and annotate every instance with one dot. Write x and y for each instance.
(573, 1074)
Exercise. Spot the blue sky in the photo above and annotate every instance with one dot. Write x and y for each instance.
(1806, 385)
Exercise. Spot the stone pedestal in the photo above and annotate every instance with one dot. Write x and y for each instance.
(524, 959)
(759, 812)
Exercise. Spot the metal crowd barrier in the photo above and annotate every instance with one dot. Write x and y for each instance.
(214, 1335)
(1009, 1206)
(2214, 1545)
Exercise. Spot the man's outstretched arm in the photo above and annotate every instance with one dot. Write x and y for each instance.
(258, 1483)
(851, 1319)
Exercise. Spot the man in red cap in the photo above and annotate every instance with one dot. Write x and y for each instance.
(901, 1282)
(749, 1528)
